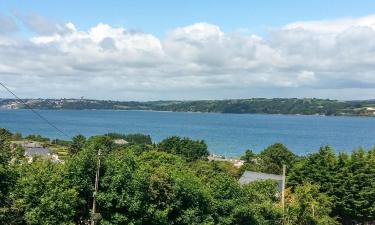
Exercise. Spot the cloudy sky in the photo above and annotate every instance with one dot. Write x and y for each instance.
(191, 50)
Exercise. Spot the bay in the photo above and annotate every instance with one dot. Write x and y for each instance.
(226, 134)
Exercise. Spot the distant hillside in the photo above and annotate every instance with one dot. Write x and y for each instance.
(306, 106)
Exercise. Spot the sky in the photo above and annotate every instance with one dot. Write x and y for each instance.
(163, 50)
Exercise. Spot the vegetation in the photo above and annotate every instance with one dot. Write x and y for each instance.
(139, 139)
(37, 138)
(172, 182)
(185, 147)
(305, 106)
(348, 179)
(77, 144)
(270, 160)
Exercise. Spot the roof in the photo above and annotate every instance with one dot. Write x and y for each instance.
(120, 142)
(28, 144)
(37, 151)
(250, 176)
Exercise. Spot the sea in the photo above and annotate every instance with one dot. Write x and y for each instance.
(225, 134)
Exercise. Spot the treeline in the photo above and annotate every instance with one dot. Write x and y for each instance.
(347, 179)
(306, 106)
(172, 182)
(273, 106)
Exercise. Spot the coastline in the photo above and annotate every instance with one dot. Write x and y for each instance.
(193, 112)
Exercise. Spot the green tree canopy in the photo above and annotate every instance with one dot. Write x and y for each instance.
(190, 149)
(77, 144)
(139, 139)
(308, 206)
(274, 157)
(42, 196)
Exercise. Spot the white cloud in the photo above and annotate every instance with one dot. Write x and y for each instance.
(319, 58)
(333, 26)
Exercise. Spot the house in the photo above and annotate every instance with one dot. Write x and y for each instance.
(120, 142)
(371, 110)
(33, 149)
(250, 176)
(31, 152)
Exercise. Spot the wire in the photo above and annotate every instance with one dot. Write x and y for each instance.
(38, 114)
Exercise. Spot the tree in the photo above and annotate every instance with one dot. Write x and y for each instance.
(308, 206)
(139, 139)
(153, 191)
(77, 144)
(42, 196)
(38, 138)
(5, 134)
(251, 162)
(18, 154)
(249, 156)
(104, 143)
(318, 168)
(190, 149)
(5, 151)
(274, 157)
(260, 202)
(17, 136)
(354, 189)
(348, 179)
(79, 173)
(225, 191)
(7, 176)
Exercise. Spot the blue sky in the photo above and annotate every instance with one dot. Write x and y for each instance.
(206, 49)
(158, 17)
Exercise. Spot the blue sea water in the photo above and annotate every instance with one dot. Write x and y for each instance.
(227, 134)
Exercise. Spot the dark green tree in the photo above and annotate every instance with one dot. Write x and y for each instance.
(139, 139)
(318, 168)
(249, 156)
(80, 172)
(190, 149)
(42, 196)
(152, 191)
(252, 162)
(273, 158)
(77, 144)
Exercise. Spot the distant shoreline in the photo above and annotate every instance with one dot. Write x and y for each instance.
(275, 106)
(195, 112)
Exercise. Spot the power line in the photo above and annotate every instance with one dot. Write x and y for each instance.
(38, 114)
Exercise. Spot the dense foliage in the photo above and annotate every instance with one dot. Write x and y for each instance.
(306, 106)
(270, 160)
(140, 139)
(37, 138)
(189, 149)
(172, 182)
(77, 144)
(348, 179)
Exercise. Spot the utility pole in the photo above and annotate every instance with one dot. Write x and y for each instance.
(93, 213)
(313, 210)
(283, 193)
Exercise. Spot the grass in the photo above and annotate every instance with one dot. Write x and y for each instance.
(61, 151)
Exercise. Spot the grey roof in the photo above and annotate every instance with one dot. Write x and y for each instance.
(37, 151)
(28, 144)
(250, 176)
